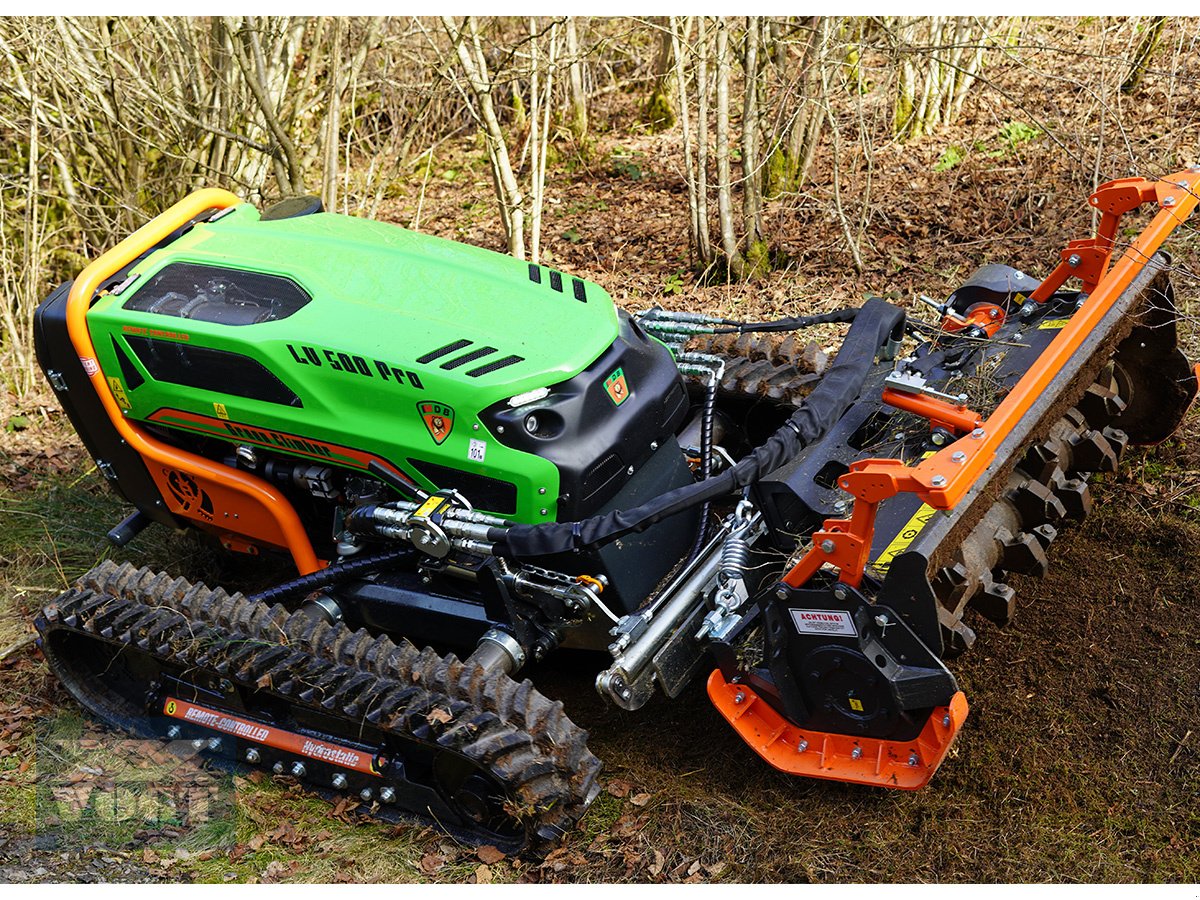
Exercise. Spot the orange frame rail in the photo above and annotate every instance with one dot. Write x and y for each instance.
(944, 479)
(240, 504)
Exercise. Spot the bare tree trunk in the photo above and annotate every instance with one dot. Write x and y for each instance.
(538, 153)
(792, 154)
(508, 191)
(533, 145)
(18, 339)
(695, 225)
(906, 77)
(855, 255)
(751, 176)
(936, 65)
(333, 120)
(973, 63)
(262, 82)
(1141, 56)
(924, 117)
(729, 243)
(659, 112)
(704, 242)
(578, 116)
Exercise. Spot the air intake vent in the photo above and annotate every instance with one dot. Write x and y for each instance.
(578, 288)
(477, 355)
(495, 366)
(601, 475)
(442, 351)
(468, 357)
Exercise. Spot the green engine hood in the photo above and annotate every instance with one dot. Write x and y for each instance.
(405, 340)
(389, 293)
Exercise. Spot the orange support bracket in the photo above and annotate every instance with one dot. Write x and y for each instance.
(939, 412)
(185, 479)
(846, 543)
(1088, 258)
(907, 765)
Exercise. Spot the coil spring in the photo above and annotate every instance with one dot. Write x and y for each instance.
(735, 554)
(735, 557)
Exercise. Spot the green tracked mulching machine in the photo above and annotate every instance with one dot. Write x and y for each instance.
(466, 452)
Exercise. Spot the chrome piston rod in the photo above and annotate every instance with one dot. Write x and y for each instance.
(629, 681)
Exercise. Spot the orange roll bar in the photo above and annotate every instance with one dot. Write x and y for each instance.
(244, 504)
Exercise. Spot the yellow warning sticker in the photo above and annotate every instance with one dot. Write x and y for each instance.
(118, 392)
(220, 410)
(429, 506)
(907, 534)
(856, 704)
(904, 538)
(171, 707)
(1048, 324)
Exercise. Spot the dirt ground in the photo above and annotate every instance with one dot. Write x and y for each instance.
(1079, 762)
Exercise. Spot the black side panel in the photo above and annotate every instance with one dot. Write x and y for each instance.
(636, 563)
(399, 601)
(492, 494)
(55, 353)
(130, 372)
(209, 369)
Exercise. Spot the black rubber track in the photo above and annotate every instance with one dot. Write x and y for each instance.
(519, 737)
(765, 366)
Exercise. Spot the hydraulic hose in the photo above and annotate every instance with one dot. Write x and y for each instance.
(352, 568)
(876, 324)
(706, 449)
(793, 323)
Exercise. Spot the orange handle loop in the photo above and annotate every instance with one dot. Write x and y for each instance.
(259, 496)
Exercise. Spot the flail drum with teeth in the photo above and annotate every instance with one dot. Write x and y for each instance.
(1046, 491)
(1134, 381)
